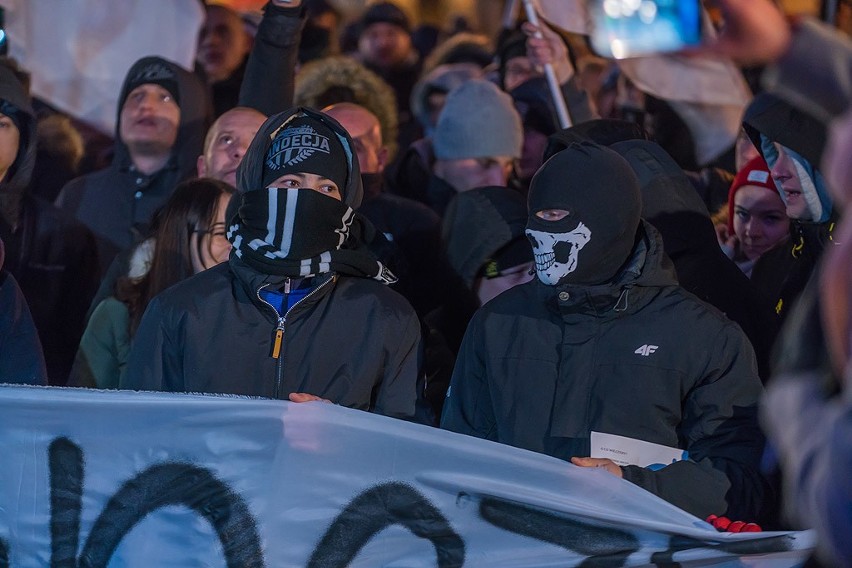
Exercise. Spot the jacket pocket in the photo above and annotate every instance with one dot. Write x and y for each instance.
(639, 401)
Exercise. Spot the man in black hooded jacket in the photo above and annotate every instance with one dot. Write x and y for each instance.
(163, 115)
(604, 342)
(300, 310)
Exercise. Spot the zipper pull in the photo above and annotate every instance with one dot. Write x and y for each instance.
(287, 286)
(278, 340)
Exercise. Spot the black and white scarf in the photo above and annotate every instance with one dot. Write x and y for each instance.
(302, 233)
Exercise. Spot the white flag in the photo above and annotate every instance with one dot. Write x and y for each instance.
(79, 51)
(567, 15)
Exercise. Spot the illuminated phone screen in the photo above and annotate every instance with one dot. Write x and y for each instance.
(626, 28)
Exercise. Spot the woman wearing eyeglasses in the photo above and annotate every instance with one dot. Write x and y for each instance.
(189, 237)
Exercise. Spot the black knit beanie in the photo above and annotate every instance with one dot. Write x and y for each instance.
(388, 13)
(155, 71)
(305, 145)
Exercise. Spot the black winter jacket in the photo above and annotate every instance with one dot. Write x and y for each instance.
(21, 359)
(269, 78)
(352, 341)
(52, 256)
(671, 205)
(541, 367)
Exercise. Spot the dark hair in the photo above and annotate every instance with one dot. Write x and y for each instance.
(191, 209)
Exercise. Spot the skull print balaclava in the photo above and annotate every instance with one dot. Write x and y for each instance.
(600, 192)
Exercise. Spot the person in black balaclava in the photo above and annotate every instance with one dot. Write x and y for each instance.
(604, 342)
(300, 311)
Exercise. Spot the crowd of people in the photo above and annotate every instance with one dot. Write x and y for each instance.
(392, 219)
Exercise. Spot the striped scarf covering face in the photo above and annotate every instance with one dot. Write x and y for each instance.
(301, 233)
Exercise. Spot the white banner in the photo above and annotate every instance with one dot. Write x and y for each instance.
(79, 51)
(130, 479)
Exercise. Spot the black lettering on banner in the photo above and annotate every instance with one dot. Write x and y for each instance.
(156, 487)
(377, 508)
(65, 460)
(601, 545)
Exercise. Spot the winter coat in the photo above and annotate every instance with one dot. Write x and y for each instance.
(117, 203)
(52, 256)
(781, 274)
(672, 206)
(104, 347)
(541, 367)
(21, 359)
(273, 54)
(352, 341)
(807, 419)
(412, 243)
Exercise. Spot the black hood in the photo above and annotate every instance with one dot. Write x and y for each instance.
(250, 170)
(781, 122)
(12, 91)
(771, 118)
(603, 131)
(195, 116)
(669, 200)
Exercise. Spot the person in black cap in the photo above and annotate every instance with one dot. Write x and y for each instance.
(163, 113)
(488, 253)
(300, 310)
(604, 344)
(385, 48)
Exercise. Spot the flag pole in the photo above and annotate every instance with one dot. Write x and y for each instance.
(829, 12)
(549, 73)
(510, 14)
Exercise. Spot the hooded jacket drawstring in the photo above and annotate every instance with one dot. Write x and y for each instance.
(621, 304)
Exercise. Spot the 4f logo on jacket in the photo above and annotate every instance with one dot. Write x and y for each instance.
(646, 350)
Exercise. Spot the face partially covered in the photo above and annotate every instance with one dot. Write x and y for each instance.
(487, 289)
(518, 70)
(556, 254)
(314, 182)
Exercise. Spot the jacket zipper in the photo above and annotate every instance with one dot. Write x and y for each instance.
(278, 342)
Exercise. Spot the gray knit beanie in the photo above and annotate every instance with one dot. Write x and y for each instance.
(478, 121)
